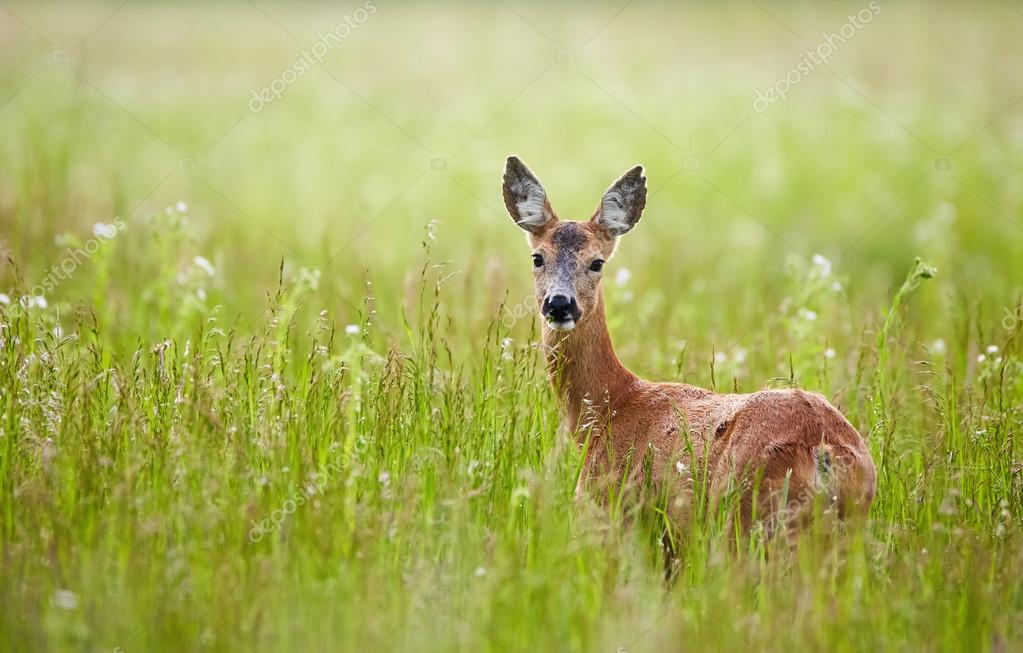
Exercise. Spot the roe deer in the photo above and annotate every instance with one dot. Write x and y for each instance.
(779, 448)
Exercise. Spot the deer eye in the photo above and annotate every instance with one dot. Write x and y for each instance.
(597, 265)
(537, 260)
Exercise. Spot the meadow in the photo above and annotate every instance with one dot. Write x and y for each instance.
(268, 366)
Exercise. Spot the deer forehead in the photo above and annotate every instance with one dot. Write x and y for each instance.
(571, 239)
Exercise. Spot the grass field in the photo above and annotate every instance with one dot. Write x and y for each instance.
(268, 376)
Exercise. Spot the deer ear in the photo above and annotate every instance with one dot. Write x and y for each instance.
(622, 204)
(525, 197)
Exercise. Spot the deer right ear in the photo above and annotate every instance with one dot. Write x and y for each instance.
(525, 198)
(623, 203)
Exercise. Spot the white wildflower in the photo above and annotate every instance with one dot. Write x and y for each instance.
(823, 264)
(829, 353)
(981, 358)
(720, 357)
(5, 299)
(681, 468)
(837, 286)
(34, 300)
(65, 599)
(992, 349)
(352, 329)
(481, 571)
(739, 355)
(808, 314)
(104, 230)
(938, 346)
(204, 264)
(622, 277)
(181, 207)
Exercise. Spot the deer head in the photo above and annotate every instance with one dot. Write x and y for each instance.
(569, 257)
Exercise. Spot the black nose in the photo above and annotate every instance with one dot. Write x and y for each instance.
(561, 307)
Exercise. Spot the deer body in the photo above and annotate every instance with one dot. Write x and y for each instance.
(778, 449)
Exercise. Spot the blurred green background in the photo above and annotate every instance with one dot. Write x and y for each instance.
(122, 110)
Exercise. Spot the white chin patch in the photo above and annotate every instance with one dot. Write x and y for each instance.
(567, 325)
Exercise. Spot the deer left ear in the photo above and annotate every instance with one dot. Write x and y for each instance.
(525, 198)
(623, 203)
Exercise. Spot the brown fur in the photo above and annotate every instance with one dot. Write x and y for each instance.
(777, 449)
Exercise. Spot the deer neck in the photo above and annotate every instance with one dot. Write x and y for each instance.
(583, 366)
